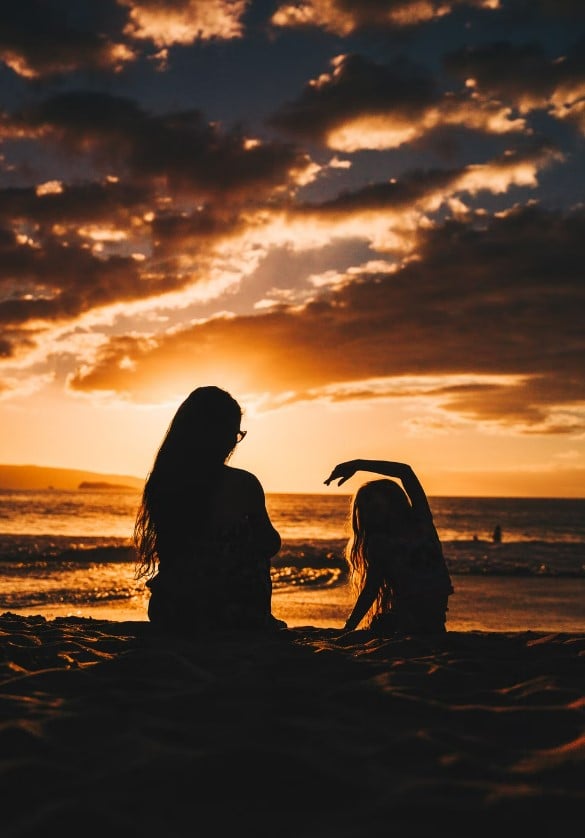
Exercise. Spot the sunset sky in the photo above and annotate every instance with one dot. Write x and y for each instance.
(363, 218)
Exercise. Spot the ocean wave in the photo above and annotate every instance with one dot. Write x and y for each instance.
(520, 558)
(300, 560)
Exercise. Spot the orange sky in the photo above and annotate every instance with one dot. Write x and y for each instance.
(363, 220)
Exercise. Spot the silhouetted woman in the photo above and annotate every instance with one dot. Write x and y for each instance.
(203, 535)
(395, 556)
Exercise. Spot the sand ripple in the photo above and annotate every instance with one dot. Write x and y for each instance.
(108, 729)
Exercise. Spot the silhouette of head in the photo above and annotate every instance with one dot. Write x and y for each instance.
(178, 492)
(381, 505)
(203, 433)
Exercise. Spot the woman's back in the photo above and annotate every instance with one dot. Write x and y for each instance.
(203, 533)
(217, 573)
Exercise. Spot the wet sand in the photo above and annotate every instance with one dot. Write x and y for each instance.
(492, 604)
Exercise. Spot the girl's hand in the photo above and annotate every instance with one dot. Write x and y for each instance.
(343, 471)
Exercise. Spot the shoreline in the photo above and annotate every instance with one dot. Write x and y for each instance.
(493, 604)
(112, 728)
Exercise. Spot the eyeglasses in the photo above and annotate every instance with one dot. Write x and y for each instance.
(240, 435)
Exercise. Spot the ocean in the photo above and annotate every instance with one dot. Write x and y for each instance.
(69, 553)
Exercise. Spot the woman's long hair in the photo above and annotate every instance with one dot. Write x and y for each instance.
(179, 489)
(379, 508)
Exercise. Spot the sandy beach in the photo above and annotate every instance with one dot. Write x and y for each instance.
(108, 728)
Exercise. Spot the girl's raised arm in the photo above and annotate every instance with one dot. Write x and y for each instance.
(388, 468)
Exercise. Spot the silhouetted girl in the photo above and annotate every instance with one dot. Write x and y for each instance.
(203, 535)
(395, 556)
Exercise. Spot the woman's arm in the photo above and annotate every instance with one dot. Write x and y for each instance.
(268, 538)
(241, 498)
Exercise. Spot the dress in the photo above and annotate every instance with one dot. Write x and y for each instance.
(217, 582)
(419, 584)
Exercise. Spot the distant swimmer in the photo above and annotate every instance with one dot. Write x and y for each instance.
(497, 534)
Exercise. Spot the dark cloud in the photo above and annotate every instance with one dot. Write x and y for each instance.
(72, 204)
(395, 194)
(418, 187)
(61, 282)
(48, 270)
(502, 298)
(180, 149)
(131, 178)
(13, 342)
(357, 87)
(524, 75)
(361, 104)
(528, 405)
(528, 10)
(182, 180)
(51, 281)
(44, 38)
(192, 232)
(48, 39)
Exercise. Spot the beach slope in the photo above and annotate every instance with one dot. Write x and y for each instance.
(108, 729)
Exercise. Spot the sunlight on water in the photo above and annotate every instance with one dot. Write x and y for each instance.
(79, 513)
(478, 604)
(70, 553)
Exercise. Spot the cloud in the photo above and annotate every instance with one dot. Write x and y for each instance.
(500, 298)
(391, 216)
(361, 104)
(343, 17)
(61, 282)
(177, 187)
(180, 151)
(206, 230)
(51, 252)
(70, 204)
(45, 38)
(194, 232)
(525, 76)
(59, 239)
(169, 22)
(55, 275)
(540, 404)
(427, 188)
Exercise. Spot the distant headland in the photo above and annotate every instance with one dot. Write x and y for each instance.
(101, 484)
(46, 477)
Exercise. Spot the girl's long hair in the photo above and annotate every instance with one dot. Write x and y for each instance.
(379, 508)
(179, 489)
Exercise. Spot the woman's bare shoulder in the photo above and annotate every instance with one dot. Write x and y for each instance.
(238, 479)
